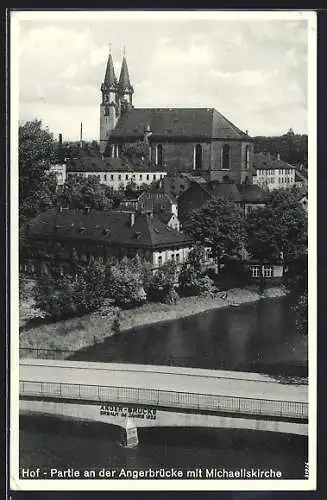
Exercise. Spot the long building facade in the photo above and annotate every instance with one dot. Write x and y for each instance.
(59, 237)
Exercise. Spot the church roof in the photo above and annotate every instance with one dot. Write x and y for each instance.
(110, 79)
(124, 81)
(174, 123)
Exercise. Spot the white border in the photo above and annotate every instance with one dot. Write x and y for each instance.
(177, 485)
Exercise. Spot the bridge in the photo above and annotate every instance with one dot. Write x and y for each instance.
(151, 396)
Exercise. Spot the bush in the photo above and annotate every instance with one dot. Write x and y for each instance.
(70, 295)
(161, 286)
(124, 283)
(192, 278)
(300, 309)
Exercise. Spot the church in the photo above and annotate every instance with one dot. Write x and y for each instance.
(195, 140)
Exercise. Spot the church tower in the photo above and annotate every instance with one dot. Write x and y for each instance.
(109, 107)
(125, 89)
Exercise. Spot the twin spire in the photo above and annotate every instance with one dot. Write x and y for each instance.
(110, 80)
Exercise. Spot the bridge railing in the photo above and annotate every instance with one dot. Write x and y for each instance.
(165, 399)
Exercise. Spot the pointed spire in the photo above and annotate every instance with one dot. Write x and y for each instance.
(110, 79)
(124, 81)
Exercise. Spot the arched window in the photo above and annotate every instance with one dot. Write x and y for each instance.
(247, 157)
(226, 157)
(197, 157)
(159, 155)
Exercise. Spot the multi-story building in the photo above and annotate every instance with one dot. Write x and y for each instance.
(272, 173)
(116, 173)
(161, 204)
(62, 236)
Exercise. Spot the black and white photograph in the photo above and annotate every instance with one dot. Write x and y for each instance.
(163, 250)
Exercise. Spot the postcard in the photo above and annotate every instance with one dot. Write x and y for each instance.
(163, 250)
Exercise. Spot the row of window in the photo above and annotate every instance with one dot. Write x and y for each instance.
(286, 171)
(272, 171)
(114, 151)
(272, 180)
(225, 157)
(119, 177)
(175, 257)
(267, 271)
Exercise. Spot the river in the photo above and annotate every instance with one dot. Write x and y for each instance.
(259, 337)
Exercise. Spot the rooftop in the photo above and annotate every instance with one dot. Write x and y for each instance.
(174, 123)
(112, 228)
(264, 161)
(98, 164)
(248, 193)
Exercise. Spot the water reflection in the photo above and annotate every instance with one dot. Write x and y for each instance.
(255, 337)
(47, 442)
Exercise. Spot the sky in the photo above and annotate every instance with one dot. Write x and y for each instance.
(254, 71)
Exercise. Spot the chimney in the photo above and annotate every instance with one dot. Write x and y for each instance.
(81, 136)
(61, 156)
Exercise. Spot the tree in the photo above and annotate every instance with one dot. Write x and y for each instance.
(278, 229)
(293, 148)
(192, 278)
(115, 195)
(300, 309)
(135, 150)
(37, 186)
(161, 287)
(219, 224)
(124, 283)
(80, 192)
(72, 294)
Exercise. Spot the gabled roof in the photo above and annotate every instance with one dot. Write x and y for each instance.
(165, 217)
(112, 228)
(174, 123)
(264, 161)
(248, 193)
(252, 193)
(224, 190)
(172, 185)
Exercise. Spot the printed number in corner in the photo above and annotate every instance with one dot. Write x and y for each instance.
(306, 470)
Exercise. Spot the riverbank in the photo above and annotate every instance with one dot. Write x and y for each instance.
(189, 306)
(75, 334)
